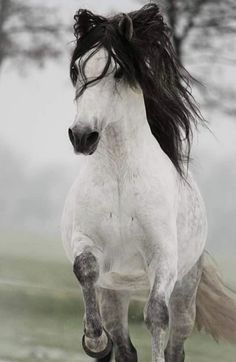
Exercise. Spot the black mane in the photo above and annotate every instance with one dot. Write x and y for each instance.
(149, 60)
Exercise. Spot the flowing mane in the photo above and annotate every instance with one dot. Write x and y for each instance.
(149, 61)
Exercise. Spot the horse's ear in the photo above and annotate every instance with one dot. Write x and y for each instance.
(126, 27)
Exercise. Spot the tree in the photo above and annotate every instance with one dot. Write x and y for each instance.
(206, 28)
(199, 20)
(28, 32)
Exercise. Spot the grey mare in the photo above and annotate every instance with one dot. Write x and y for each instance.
(134, 221)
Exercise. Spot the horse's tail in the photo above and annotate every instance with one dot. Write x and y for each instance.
(215, 309)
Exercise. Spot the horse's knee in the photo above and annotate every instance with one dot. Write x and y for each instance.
(86, 268)
(156, 314)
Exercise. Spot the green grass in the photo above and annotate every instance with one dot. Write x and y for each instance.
(41, 308)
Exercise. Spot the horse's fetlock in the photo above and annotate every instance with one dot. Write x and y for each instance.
(94, 332)
(86, 268)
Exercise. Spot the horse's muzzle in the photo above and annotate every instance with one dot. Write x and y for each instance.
(85, 141)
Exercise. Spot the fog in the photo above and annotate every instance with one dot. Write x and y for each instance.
(37, 107)
(37, 163)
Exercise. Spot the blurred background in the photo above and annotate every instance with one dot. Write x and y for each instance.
(40, 302)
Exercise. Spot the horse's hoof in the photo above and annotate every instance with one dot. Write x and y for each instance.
(95, 342)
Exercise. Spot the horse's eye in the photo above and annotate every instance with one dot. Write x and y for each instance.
(118, 74)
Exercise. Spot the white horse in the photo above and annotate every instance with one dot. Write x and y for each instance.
(134, 220)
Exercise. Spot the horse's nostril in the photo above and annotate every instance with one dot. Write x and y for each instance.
(71, 136)
(83, 141)
(92, 138)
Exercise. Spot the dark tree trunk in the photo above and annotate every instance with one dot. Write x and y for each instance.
(172, 17)
(4, 5)
(177, 42)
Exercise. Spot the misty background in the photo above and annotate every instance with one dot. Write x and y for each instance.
(37, 163)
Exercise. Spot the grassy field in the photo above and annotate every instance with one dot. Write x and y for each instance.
(41, 309)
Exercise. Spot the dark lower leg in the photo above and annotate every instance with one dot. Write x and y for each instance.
(96, 341)
(183, 310)
(156, 317)
(114, 310)
(175, 354)
(108, 358)
(125, 351)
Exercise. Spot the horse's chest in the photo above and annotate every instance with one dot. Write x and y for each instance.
(110, 215)
(120, 216)
(109, 218)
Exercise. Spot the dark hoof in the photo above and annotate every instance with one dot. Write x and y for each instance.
(101, 354)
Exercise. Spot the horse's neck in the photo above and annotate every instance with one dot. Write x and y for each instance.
(123, 141)
(126, 144)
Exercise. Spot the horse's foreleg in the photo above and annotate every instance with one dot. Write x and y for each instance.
(96, 341)
(114, 311)
(183, 311)
(156, 314)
